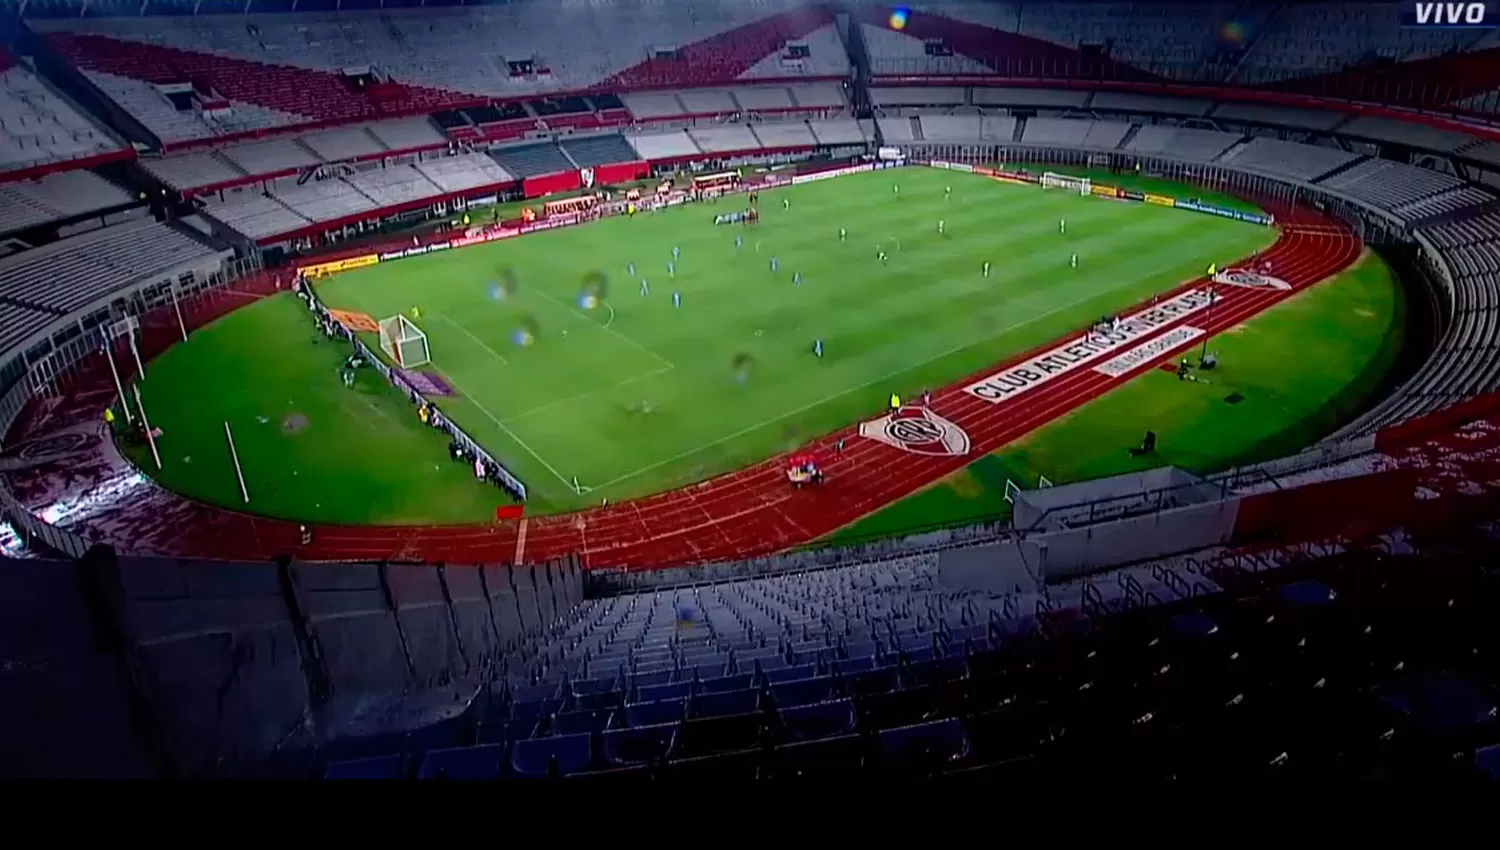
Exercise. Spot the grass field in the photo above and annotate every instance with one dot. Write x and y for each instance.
(637, 396)
(1299, 371)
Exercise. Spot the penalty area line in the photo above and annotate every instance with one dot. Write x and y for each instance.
(512, 434)
(477, 341)
(577, 396)
(609, 330)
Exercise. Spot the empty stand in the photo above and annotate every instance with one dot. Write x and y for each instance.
(64, 195)
(598, 150)
(39, 127)
(74, 272)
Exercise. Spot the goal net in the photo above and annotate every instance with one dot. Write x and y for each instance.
(1051, 180)
(403, 342)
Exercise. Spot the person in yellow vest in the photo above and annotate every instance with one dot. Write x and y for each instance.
(416, 312)
(109, 416)
(895, 402)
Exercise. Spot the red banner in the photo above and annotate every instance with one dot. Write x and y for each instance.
(547, 184)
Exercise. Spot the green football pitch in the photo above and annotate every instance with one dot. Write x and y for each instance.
(637, 395)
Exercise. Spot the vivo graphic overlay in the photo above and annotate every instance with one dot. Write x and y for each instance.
(1450, 16)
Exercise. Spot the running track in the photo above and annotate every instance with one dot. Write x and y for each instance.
(72, 475)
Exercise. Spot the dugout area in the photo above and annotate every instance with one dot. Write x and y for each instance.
(632, 396)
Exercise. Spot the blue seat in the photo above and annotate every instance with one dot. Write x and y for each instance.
(803, 691)
(729, 702)
(819, 720)
(792, 674)
(931, 745)
(737, 682)
(639, 744)
(378, 767)
(670, 690)
(878, 681)
(654, 677)
(574, 722)
(495, 733)
(707, 736)
(561, 755)
(850, 666)
(655, 713)
(534, 710)
(824, 759)
(597, 685)
(482, 762)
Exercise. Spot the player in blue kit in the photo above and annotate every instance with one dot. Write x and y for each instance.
(774, 264)
(818, 349)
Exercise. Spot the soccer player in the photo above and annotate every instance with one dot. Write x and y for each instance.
(796, 278)
(645, 287)
(416, 312)
(947, 192)
(818, 349)
(897, 187)
(631, 269)
(739, 242)
(941, 226)
(786, 203)
(843, 235)
(986, 268)
(677, 300)
(775, 264)
(671, 269)
(882, 256)
(1074, 261)
(676, 252)
(1062, 225)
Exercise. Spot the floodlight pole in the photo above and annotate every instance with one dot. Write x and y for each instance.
(181, 325)
(146, 423)
(140, 368)
(238, 472)
(114, 371)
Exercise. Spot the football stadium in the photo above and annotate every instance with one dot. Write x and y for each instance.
(749, 390)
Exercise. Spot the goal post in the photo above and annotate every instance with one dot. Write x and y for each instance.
(404, 342)
(1053, 180)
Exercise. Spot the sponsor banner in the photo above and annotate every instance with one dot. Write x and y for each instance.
(955, 166)
(800, 179)
(1020, 177)
(917, 430)
(731, 218)
(1023, 377)
(890, 154)
(1251, 280)
(1223, 213)
(1131, 196)
(322, 269)
(987, 172)
(1105, 191)
(1148, 351)
(1161, 200)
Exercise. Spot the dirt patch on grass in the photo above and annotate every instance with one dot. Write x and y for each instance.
(294, 423)
(1364, 313)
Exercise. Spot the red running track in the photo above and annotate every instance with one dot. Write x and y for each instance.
(63, 467)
